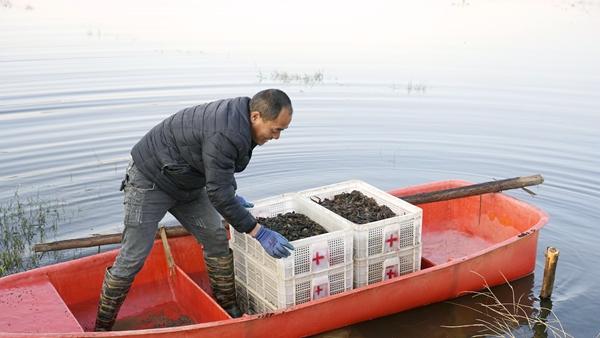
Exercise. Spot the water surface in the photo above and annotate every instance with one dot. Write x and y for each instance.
(392, 94)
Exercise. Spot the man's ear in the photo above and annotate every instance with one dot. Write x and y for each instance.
(255, 115)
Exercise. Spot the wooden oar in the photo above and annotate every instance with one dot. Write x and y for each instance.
(434, 196)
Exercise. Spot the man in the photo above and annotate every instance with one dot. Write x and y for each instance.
(185, 166)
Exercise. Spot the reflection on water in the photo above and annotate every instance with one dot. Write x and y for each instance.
(455, 318)
(393, 93)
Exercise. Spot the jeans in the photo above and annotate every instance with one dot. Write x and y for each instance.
(145, 205)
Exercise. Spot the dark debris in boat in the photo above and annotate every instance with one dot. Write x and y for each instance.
(357, 208)
(292, 225)
(152, 321)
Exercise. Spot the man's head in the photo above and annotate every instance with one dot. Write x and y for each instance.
(270, 114)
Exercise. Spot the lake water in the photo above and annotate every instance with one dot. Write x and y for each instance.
(394, 94)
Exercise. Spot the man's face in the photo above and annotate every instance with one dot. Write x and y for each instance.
(264, 130)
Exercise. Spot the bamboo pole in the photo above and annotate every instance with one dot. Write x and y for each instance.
(475, 189)
(168, 255)
(549, 272)
(174, 231)
(428, 197)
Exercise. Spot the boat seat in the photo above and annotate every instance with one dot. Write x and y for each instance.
(35, 307)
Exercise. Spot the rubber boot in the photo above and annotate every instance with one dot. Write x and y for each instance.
(114, 291)
(222, 282)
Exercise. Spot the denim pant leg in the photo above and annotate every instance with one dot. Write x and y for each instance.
(145, 206)
(202, 220)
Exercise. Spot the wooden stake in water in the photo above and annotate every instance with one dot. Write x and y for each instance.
(549, 272)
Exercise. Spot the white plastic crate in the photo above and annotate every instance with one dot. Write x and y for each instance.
(396, 233)
(250, 302)
(386, 266)
(280, 293)
(311, 255)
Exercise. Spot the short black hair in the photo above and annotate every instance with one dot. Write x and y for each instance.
(270, 102)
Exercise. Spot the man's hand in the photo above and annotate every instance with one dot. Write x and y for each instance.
(244, 202)
(273, 242)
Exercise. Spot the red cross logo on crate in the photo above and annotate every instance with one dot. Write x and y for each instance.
(390, 240)
(320, 290)
(318, 257)
(391, 272)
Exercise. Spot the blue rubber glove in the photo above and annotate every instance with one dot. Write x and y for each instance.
(274, 243)
(243, 202)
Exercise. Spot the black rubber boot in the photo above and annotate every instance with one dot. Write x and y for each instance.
(114, 291)
(222, 282)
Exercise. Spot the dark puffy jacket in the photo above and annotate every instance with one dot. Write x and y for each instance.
(201, 146)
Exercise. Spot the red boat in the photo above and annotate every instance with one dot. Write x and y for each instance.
(467, 242)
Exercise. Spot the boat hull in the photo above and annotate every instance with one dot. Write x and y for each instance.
(468, 243)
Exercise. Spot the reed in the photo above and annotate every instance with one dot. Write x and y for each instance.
(410, 87)
(512, 319)
(294, 78)
(24, 222)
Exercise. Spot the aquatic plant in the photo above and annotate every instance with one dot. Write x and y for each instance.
(297, 78)
(22, 224)
(512, 319)
(410, 87)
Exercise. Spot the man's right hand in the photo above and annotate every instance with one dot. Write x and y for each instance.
(273, 242)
